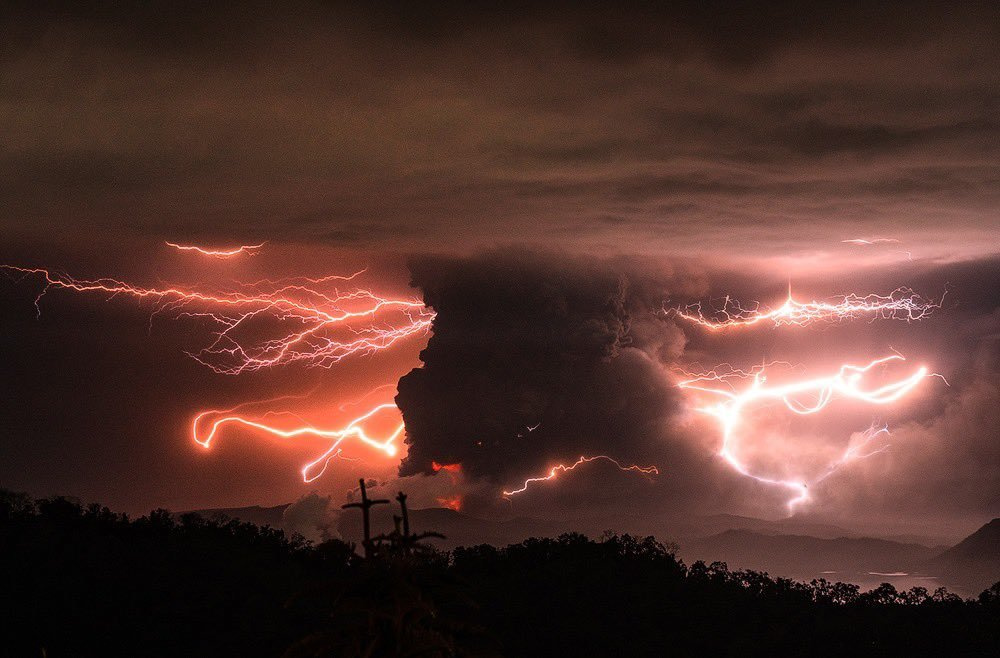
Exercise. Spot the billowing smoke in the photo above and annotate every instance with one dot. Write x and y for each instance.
(536, 360)
(532, 359)
(313, 516)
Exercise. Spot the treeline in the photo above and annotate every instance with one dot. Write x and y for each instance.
(85, 581)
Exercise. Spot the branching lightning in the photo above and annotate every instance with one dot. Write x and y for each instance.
(847, 383)
(311, 322)
(303, 320)
(900, 304)
(207, 424)
(562, 468)
(249, 249)
(859, 450)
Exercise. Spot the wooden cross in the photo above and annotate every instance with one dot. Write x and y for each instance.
(365, 505)
(408, 541)
(406, 515)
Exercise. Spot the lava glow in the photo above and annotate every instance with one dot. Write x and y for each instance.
(802, 397)
(561, 468)
(267, 323)
(900, 304)
(207, 425)
(453, 503)
(248, 249)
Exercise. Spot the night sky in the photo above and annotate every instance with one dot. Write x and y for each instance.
(552, 182)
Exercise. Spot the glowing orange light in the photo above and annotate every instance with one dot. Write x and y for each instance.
(249, 249)
(561, 468)
(454, 503)
(303, 322)
(847, 383)
(900, 304)
(453, 470)
(870, 241)
(204, 431)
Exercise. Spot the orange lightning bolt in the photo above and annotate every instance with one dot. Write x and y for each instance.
(561, 468)
(248, 249)
(204, 431)
(300, 320)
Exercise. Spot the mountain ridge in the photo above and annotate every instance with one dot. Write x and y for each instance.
(975, 559)
(786, 548)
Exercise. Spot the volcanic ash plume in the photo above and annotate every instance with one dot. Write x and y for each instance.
(531, 362)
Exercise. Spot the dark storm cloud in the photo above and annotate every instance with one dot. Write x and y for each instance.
(340, 123)
(946, 460)
(532, 360)
(947, 466)
(578, 348)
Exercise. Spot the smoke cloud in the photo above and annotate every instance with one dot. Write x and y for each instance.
(313, 516)
(532, 359)
(538, 359)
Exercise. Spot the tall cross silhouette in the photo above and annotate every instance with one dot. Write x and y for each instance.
(406, 515)
(365, 505)
(408, 542)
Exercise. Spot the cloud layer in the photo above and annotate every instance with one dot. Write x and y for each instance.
(759, 129)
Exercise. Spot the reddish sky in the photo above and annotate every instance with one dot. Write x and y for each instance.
(697, 151)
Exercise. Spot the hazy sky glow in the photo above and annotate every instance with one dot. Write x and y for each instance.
(548, 181)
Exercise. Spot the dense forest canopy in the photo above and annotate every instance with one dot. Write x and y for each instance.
(88, 581)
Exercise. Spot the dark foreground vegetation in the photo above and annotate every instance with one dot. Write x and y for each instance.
(88, 582)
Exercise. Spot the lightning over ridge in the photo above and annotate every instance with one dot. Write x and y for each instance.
(564, 468)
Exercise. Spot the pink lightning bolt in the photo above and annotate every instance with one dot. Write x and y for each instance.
(310, 323)
(204, 431)
(846, 383)
(900, 304)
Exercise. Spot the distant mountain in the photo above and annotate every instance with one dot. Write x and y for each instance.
(697, 527)
(705, 526)
(974, 561)
(788, 548)
(262, 516)
(459, 529)
(464, 529)
(858, 559)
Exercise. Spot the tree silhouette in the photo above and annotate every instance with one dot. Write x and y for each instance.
(86, 581)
